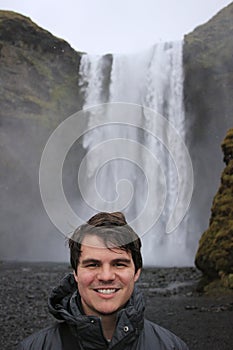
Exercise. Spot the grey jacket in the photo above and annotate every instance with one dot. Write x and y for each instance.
(76, 331)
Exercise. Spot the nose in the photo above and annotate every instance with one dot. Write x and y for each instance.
(106, 273)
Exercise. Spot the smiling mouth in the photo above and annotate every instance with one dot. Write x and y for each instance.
(106, 291)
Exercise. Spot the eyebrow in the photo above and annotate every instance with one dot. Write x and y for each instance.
(125, 260)
(114, 261)
(88, 261)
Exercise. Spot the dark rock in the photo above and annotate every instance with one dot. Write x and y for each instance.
(208, 86)
(39, 88)
(39, 72)
(215, 253)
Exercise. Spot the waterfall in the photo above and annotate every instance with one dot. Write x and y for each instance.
(152, 79)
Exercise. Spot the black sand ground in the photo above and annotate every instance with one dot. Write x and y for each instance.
(204, 323)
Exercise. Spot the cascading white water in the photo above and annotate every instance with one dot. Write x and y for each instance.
(164, 93)
(153, 79)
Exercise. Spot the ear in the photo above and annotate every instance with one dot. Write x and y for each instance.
(75, 276)
(137, 275)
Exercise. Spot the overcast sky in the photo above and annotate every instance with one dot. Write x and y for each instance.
(117, 26)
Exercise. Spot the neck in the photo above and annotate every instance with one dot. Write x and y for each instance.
(108, 325)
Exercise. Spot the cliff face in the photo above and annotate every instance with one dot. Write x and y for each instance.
(208, 87)
(209, 71)
(39, 73)
(38, 89)
(215, 253)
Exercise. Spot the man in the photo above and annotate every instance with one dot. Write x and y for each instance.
(99, 305)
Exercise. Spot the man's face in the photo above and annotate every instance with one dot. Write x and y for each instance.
(105, 277)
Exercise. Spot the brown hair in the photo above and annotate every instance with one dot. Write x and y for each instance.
(113, 229)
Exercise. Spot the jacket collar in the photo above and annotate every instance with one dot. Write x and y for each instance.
(65, 304)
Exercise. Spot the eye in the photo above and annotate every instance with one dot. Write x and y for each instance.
(92, 265)
(120, 264)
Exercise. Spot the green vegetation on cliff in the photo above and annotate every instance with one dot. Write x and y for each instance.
(39, 88)
(208, 86)
(39, 72)
(208, 66)
(215, 253)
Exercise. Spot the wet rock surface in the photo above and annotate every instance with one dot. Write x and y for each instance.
(202, 322)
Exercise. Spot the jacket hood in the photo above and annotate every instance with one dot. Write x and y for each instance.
(62, 298)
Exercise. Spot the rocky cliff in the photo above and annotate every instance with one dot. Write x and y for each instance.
(39, 72)
(208, 87)
(38, 89)
(215, 253)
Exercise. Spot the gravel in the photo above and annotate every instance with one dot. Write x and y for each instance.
(202, 322)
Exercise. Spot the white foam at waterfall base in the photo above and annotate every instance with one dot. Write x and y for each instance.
(153, 79)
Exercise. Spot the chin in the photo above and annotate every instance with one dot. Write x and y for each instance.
(107, 312)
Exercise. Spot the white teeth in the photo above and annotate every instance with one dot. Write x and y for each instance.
(106, 291)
